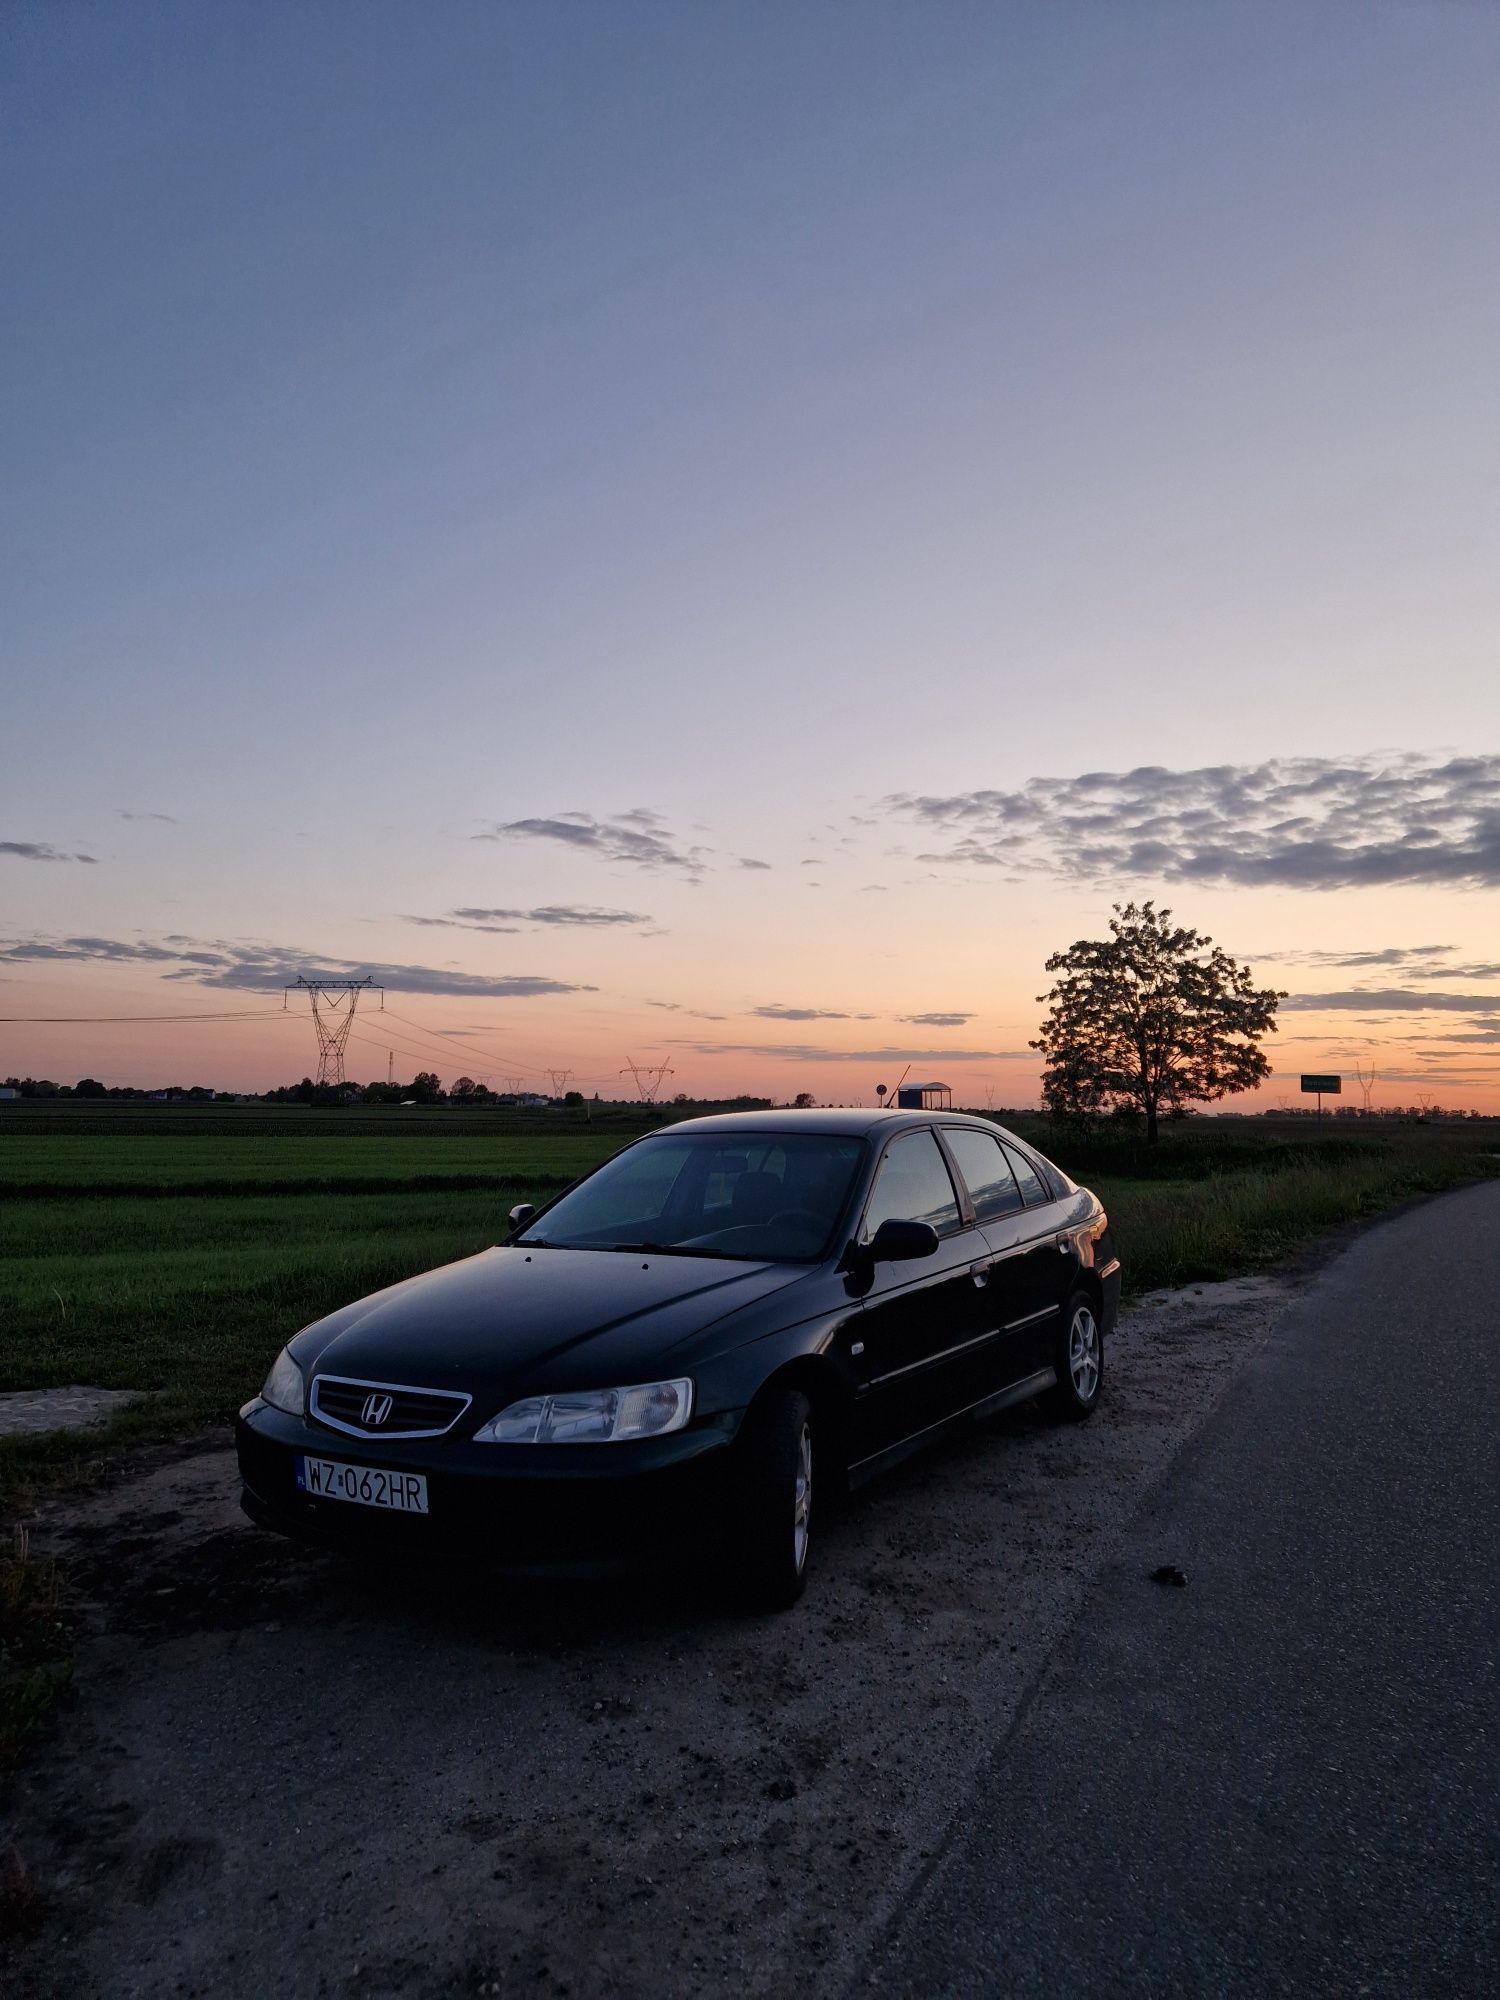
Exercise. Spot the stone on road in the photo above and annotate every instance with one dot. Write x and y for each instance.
(1281, 1778)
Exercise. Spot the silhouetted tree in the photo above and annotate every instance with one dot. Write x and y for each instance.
(1151, 1018)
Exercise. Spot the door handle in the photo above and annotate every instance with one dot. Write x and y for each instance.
(980, 1273)
(1065, 1244)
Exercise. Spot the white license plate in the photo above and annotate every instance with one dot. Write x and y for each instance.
(365, 1485)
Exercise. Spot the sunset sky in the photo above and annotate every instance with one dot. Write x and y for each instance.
(722, 535)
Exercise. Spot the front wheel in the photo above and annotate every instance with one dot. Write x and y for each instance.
(773, 1501)
(1079, 1360)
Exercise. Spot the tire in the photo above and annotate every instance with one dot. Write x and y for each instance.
(773, 1502)
(1079, 1360)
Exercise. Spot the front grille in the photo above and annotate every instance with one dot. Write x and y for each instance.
(385, 1409)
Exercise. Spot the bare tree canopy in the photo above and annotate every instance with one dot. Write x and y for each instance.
(1154, 1017)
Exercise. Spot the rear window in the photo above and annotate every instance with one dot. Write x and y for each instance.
(1032, 1191)
(986, 1171)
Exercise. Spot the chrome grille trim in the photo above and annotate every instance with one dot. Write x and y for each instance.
(418, 1419)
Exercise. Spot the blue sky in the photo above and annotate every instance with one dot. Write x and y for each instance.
(423, 420)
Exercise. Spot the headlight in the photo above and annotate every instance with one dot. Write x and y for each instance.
(284, 1387)
(593, 1416)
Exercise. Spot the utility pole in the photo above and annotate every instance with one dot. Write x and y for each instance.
(390, 1069)
(1366, 1083)
(333, 1005)
(649, 1078)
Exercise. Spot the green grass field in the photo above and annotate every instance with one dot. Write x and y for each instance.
(177, 1261)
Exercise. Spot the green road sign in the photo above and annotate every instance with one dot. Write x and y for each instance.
(1322, 1086)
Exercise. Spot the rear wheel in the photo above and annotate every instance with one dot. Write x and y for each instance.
(773, 1501)
(1079, 1360)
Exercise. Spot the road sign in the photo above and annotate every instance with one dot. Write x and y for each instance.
(1322, 1086)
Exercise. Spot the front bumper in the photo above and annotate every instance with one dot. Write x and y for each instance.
(500, 1507)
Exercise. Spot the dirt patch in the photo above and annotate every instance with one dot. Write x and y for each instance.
(288, 1774)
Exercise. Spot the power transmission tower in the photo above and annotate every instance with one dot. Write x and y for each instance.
(513, 1085)
(390, 1069)
(989, 1097)
(333, 1005)
(560, 1079)
(649, 1078)
(1366, 1083)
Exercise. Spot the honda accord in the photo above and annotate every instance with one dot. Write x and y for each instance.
(669, 1351)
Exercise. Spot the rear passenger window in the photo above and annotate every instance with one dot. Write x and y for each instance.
(912, 1186)
(1031, 1188)
(991, 1184)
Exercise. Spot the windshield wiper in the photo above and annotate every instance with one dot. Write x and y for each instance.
(676, 1250)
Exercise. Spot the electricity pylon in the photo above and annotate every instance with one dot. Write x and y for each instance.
(560, 1079)
(333, 1005)
(1366, 1083)
(649, 1078)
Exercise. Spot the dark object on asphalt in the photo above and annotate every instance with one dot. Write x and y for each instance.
(1169, 1573)
(660, 1355)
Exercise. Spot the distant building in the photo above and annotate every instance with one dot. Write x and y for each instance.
(925, 1097)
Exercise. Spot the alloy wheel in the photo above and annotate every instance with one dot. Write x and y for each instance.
(802, 1499)
(1083, 1353)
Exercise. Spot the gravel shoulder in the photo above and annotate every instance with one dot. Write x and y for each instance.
(285, 1774)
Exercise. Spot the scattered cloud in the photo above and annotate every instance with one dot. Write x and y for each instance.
(812, 1052)
(165, 818)
(1410, 958)
(1393, 1000)
(687, 1013)
(936, 1020)
(454, 924)
(777, 1013)
(1478, 969)
(42, 850)
(638, 837)
(1305, 822)
(560, 915)
(749, 861)
(261, 968)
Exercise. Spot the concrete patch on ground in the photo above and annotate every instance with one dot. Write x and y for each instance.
(287, 1774)
(25, 1412)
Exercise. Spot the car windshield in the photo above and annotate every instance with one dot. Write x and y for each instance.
(766, 1196)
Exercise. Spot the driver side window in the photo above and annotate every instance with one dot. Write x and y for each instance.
(912, 1185)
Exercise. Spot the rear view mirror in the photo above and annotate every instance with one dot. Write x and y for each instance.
(897, 1242)
(521, 1214)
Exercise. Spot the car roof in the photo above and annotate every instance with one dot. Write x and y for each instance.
(850, 1122)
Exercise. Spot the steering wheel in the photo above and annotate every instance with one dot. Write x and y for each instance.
(797, 1218)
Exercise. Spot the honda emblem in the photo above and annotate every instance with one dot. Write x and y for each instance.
(376, 1409)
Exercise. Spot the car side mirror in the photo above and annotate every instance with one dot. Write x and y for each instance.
(898, 1242)
(521, 1214)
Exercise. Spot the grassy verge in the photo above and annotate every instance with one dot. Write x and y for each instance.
(1180, 1232)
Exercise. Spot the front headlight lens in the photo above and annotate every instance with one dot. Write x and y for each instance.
(284, 1388)
(593, 1416)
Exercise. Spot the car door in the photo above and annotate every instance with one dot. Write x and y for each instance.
(1013, 1280)
(920, 1321)
(1041, 1267)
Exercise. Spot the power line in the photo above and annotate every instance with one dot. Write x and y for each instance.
(97, 1020)
(513, 1056)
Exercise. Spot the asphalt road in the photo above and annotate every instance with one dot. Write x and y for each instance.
(1282, 1777)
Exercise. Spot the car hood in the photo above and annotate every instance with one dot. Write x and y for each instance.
(585, 1317)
